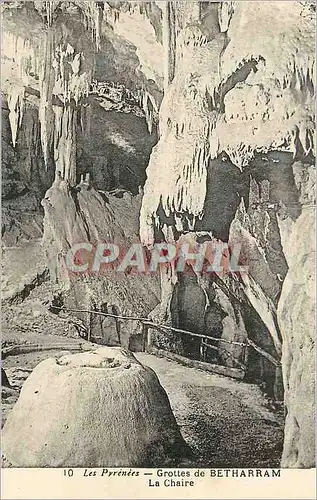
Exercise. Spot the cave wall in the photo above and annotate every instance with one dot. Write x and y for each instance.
(24, 179)
(115, 150)
(296, 315)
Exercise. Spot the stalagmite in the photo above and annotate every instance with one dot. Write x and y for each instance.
(112, 411)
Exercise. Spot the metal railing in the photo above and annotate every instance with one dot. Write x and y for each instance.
(148, 324)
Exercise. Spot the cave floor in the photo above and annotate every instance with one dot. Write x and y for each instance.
(227, 423)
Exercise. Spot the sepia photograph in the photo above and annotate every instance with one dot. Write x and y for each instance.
(158, 239)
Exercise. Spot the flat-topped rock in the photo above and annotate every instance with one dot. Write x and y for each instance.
(92, 409)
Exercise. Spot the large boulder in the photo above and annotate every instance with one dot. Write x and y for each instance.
(101, 408)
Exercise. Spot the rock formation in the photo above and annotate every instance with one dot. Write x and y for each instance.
(81, 215)
(296, 315)
(101, 408)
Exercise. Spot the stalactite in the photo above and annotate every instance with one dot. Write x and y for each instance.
(58, 113)
(225, 12)
(279, 64)
(90, 10)
(149, 107)
(110, 13)
(65, 142)
(185, 148)
(187, 12)
(49, 7)
(255, 117)
(47, 81)
(92, 13)
(26, 56)
(71, 82)
(169, 41)
(60, 73)
(273, 109)
(185, 166)
(85, 120)
(16, 106)
(26, 61)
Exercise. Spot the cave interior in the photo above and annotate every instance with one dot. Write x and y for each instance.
(152, 122)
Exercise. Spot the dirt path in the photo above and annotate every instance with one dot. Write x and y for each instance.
(227, 423)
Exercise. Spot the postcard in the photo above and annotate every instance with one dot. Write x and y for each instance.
(158, 249)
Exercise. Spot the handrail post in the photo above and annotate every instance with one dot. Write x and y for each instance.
(246, 356)
(145, 330)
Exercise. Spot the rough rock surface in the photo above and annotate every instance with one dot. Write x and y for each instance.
(296, 315)
(91, 410)
(83, 215)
